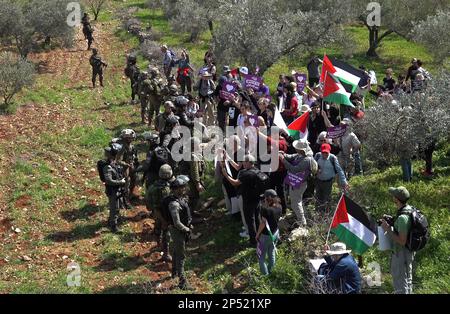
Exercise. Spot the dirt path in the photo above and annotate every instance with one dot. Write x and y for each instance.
(26, 127)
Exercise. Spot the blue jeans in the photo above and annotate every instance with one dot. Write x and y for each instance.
(268, 247)
(358, 163)
(406, 169)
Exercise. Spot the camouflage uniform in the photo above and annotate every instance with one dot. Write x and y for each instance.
(114, 191)
(154, 197)
(180, 230)
(145, 90)
(132, 72)
(154, 97)
(127, 158)
(97, 67)
(195, 169)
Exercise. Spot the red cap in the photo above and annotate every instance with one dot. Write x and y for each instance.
(325, 148)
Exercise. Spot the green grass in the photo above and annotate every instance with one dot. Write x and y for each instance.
(66, 209)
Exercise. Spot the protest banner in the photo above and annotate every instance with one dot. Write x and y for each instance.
(228, 91)
(300, 79)
(252, 81)
(337, 131)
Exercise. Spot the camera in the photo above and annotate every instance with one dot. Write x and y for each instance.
(389, 219)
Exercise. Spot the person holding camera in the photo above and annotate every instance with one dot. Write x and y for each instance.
(398, 229)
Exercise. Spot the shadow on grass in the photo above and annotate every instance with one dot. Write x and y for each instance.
(106, 107)
(83, 213)
(140, 288)
(77, 233)
(115, 261)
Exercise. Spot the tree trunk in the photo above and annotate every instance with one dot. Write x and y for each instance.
(211, 27)
(373, 42)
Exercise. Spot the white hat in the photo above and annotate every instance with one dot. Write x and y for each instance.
(305, 108)
(338, 248)
(243, 70)
(302, 145)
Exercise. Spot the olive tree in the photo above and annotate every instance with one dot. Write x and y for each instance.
(393, 129)
(396, 17)
(23, 24)
(15, 74)
(259, 33)
(434, 34)
(95, 6)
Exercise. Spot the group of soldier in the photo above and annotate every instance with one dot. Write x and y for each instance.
(172, 188)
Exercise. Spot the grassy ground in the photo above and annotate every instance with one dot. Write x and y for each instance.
(51, 191)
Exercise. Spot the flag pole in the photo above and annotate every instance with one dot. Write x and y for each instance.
(329, 229)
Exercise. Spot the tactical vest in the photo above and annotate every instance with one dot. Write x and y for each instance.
(185, 213)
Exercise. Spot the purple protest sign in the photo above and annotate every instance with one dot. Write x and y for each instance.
(252, 81)
(228, 90)
(253, 120)
(337, 131)
(300, 79)
(295, 180)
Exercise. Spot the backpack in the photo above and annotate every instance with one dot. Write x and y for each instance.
(333, 162)
(313, 167)
(155, 195)
(161, 158)
(165, 212)
(101, 164)
(262, 182)
(419, 234)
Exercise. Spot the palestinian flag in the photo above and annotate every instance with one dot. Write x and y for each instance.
(348, 75)
(334, 92)
(299, 128)
(353, 226)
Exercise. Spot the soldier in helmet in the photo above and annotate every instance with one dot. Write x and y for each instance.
(145, 90)
(154, 196)
(154, 160)
(167, 137)
(180, 227)
(86, 25)
(195, 168)
(155, 95)
(181, 103)
(128, 159)
(114, 183)
(169, 107)
(97, 67)
(132, 72)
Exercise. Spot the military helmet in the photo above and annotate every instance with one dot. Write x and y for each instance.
(173, 88)
(150, 137)
(165, 172)
(115, 140)
(128, 133)
(153, 71)
(180, 181)
(131, 58)
(170, 104)
(172, 120)
(113, 149)
(181, 101)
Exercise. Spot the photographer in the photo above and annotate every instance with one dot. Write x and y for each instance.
(402, 258)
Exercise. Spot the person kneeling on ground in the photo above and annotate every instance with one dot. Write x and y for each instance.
(341, 270)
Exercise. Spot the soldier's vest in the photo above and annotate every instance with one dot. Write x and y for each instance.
(156, 194)
(117, 174)
(96, 63)
(155, 87)
(185, 213)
